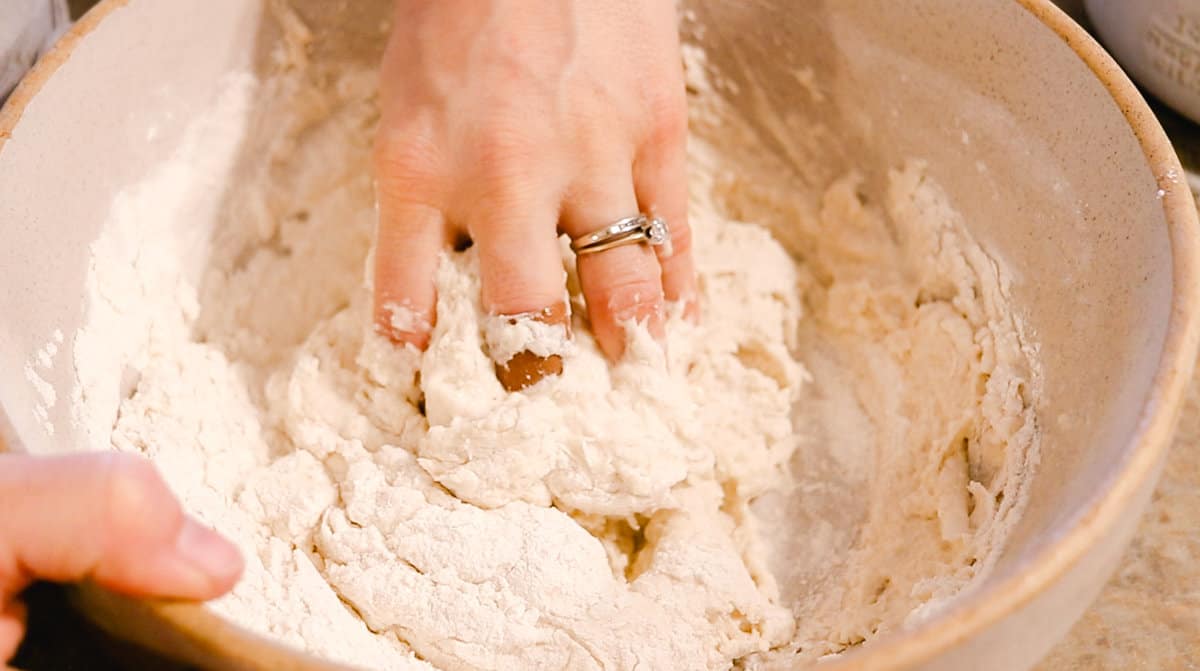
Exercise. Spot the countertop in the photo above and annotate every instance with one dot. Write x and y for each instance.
(1148, 616)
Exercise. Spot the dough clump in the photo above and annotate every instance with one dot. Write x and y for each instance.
(401, 510)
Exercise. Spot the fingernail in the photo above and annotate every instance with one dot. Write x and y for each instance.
(518, 368)
(526, 369)
(208, 552)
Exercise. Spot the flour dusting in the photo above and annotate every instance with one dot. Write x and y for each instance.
(836, 451)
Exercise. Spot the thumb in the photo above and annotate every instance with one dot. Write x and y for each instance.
(109, 518)
(105, 517)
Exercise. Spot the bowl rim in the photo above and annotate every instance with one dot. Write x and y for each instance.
(1149, 443)
(1159, 416)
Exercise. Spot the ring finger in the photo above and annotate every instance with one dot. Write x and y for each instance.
(620, 284)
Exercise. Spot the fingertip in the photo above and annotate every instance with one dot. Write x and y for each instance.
(524, 356)
(622, 286)
(149, 546)
(691, 309)
(197, 564)
(408, 248)
(216, 561)
(402, 324)
(523, 285)
(679, 280)
(613, 334)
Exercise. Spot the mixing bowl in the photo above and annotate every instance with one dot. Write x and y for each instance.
(1046, 148)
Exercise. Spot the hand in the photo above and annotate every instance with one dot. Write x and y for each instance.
(108, 518)
(508, 121)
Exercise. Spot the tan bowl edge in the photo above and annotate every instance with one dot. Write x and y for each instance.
(199, 631)
(1160, 414)
(188, 632)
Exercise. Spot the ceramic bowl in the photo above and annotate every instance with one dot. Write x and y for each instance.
(1040, 140)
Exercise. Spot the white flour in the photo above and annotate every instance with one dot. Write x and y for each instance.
(598, 520)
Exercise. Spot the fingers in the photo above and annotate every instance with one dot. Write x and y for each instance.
(410, 239)
(108, 518)
(522, 279)
(621, 284)
(520, 264)
(12, 629)
(660, 180)
(528, 347)
(411, 235)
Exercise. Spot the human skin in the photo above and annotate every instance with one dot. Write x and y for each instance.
(107, 518)
(508, 122)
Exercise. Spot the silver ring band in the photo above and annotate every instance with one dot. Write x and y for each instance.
(628, 231)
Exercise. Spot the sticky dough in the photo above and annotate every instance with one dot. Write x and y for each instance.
(400, 510)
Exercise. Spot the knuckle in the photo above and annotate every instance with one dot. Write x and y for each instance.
(504, 155)
(402, 150)
(407, 166)
(513, 283)
(667, 120)
(503, 200)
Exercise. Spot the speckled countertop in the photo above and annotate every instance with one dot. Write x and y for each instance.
(1148, 617)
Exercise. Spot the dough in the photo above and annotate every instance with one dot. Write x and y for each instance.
(400, 510)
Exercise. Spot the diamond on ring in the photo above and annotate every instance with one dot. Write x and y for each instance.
(657, 232)
(628, 231)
